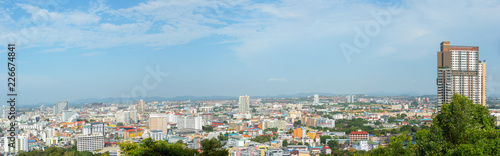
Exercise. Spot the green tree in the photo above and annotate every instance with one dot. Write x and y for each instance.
(208, 128)
(333, 144)
(284, 143)
(213, 147)
(119, 124)
(323, 138)
(462, 128)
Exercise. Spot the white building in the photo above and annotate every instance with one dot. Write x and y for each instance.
(126, 117)
(244, 104)
(156, 135)
(325, 122)
(20, 144)
(90, 142)
(316, 99)
(191, 122)
(69, 115)
(60, 106)
(280, 124)
(94, 128)
(350, 98)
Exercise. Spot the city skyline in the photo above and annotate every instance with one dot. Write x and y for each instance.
(102, 49)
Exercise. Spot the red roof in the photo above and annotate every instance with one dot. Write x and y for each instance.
(359, 132)
(133, 130)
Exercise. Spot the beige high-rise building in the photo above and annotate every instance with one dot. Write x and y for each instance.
(460, 71)
(141, 106)
(244, 104)
(159, 122)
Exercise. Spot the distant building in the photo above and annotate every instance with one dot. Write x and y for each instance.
(299, 132)
(207, 116)
(364, 145)
(280, 124)
(60, 106)
(159, 122)
(95, 128)
(244, 104)
(325, 122)
(89, 142)
(460, 71)
(396, 107)
(350, 98)
(156, 135)
(126, 117)
(189, 122)
(141, 106)
(69, 115)
(358, 135)
(316, 99)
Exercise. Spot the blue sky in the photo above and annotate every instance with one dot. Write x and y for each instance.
(70, 50)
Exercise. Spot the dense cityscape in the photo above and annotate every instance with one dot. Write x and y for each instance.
(312, 125)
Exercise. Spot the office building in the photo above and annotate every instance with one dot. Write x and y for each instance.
(244, 104)
(89, 142)
(60, 106)
(316, 99)
(460, 72)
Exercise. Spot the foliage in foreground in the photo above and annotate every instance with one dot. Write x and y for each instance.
(462, 128)
(163, 148)
(56, 151)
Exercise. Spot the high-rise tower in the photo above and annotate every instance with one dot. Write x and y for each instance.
(460, 71)
(141, 106)
(244, 104)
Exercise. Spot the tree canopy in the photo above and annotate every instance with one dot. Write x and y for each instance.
(462, 128)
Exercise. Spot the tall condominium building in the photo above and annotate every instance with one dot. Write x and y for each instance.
(141, 106)
(60, 106)
(350, 98)
(20, 144)
(316, 98)
(460, 71)
(244, 104)
(159, 122)
(90, 142)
